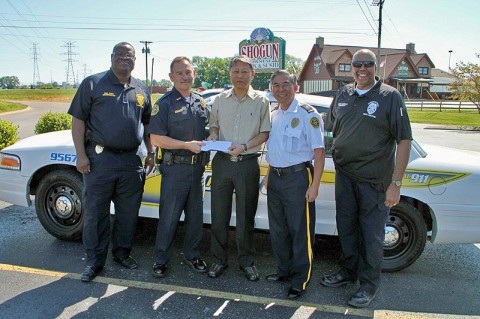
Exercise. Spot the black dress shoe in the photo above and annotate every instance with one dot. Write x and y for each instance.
(276, 277)
(90, 272)
(361, 299)
(335, 280)
(294, 293)
(197, 264)
(250, 272)
(216, 270)
(159, 270)
(127, 262)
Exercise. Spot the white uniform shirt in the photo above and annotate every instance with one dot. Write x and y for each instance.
(294, 135)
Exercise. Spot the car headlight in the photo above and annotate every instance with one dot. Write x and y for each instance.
(9, 161)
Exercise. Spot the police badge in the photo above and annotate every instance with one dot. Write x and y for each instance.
(140, 100)
(295, 122)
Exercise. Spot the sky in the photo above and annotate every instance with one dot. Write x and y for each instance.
(45, 29)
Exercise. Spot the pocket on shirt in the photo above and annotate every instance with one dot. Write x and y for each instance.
(292, 139)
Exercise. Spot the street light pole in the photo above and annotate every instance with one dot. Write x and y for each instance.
(449, 56)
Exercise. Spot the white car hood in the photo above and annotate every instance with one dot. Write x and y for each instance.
(46, 140)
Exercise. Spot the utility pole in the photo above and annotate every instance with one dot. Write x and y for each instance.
(36, 74)
(449, 56)
(146, 50)
(379, 3)
(69, 60)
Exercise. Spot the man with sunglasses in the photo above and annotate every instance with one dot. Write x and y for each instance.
(371, 146)
(110, 115)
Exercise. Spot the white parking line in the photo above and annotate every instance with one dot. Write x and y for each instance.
(161, 300)
(220, 310)
(303, 312)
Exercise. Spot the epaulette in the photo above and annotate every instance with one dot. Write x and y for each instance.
(307, 107)
(165, 95)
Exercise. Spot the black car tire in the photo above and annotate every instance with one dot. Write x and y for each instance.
(405, 237)
(58, 202)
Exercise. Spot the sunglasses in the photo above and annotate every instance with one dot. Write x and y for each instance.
(367, 64)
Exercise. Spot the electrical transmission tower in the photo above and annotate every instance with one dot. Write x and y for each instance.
(69, 60)
(36, 74)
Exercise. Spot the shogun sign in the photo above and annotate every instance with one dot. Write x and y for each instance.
(266, 51)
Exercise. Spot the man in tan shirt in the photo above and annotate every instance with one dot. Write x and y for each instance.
(240, 115)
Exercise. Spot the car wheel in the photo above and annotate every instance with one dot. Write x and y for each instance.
(405, 237)
(58, 202)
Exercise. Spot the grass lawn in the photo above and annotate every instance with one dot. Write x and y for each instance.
(46, 95)
(6, 106)
(446, 117)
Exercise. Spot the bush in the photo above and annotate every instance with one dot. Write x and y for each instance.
(8, 133)
(50, 122)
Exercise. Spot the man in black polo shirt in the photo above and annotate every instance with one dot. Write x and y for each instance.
(369, 123)
(178, 127)
(111, 112)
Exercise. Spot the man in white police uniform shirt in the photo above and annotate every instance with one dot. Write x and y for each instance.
(296, 138)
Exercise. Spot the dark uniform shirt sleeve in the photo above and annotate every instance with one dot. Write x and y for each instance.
(82, 101)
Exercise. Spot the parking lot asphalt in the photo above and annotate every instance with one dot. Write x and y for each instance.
(40, 279)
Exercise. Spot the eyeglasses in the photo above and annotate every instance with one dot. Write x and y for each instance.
(367, 64)
(128, 55)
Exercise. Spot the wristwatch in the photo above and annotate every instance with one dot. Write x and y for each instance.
(397, 182)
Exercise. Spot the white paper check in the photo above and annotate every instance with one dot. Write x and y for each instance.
(216, 146)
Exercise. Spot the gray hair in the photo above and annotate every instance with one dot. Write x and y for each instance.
(241, 58)
(291, 78)
(178, 59)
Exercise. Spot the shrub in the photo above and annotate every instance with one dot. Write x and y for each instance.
(50, 122)
(8, 133)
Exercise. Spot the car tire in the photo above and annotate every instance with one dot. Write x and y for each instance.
(405, 237)
(58, 202)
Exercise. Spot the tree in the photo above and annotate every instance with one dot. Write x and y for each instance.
(466, 86)
(9, 82)
(293, 65)
(165, 82)
(213, 71)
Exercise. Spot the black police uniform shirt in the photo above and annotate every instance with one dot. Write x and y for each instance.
(179, 118)
(114, 112)
(365, 131)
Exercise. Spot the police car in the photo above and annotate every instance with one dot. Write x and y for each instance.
(439, 198)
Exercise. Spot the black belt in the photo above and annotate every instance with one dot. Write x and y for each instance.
(189, 159)
(239, 158)
(282, 171)
(112, 149)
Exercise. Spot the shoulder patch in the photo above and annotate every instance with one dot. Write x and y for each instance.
(314, 122)
(307, 107)
(155, 109)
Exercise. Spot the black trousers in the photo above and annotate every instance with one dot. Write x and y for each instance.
(361, 217)
(181, 191)
(243, 178)
(117, 178)
(292, 225)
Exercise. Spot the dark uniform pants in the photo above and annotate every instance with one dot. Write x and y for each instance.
(182, 190)
(244, 178)
(361, 217)
(292, 225)
(117, 178)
